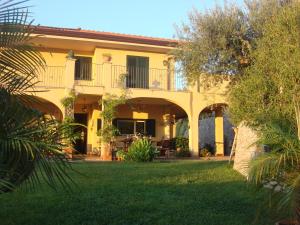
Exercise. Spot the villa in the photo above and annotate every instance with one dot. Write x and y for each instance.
(91, 64)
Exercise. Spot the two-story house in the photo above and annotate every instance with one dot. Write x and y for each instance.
(91, 64)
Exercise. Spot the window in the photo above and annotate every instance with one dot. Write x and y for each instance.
(140, 127)
(125, 126)
(99, 126)
(138, 72)
(131, 126)
(83, 68)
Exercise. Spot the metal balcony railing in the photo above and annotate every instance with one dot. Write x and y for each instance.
(93, 75)
(89, 75)
(51, 76)
(147, 78)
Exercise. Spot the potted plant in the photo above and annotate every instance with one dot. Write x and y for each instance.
(106, 57)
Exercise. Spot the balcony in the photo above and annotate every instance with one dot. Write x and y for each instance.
(111, 76)
(152, 78)
(51, 77)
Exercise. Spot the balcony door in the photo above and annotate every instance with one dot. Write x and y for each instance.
(83, 68)
(138, 72)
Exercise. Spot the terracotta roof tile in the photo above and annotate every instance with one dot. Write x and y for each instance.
(100, 35)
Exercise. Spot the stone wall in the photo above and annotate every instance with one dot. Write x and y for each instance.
(246, 149)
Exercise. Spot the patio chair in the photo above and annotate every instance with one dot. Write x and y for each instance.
(165, 148)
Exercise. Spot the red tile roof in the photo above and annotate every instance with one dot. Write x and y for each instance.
(100, 35)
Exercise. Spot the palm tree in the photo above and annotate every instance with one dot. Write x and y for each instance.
(31, 143)
(279, 169)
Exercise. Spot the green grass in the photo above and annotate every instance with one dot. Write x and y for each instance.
(183, 192)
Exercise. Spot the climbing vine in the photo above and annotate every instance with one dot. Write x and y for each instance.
(108, 114)
(68, 122)
(109, 104)
(69, 100)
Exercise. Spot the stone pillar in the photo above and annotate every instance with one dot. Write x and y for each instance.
(219, 132)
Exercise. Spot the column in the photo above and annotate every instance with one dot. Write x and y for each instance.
(219, 132)
(70, 73)
(110, 76)
(194, 136)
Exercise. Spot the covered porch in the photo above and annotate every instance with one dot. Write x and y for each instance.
(154, 118)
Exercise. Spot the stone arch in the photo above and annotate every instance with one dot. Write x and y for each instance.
(181, 99)
(46, 106)
(165, 112)
(215, 129)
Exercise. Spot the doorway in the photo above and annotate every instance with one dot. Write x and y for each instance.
(81, 143)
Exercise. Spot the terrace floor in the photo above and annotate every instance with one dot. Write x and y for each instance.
(159, 193)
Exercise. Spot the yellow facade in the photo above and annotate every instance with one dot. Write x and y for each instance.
(162, 99)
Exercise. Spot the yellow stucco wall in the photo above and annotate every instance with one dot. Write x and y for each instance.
(192, 101)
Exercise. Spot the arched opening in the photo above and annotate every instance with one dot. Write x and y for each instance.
(215, 130)
(156, 118)
(163, 113)
(46, 107)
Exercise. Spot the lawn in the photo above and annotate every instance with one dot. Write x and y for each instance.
(169, 193)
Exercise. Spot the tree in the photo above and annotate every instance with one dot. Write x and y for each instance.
(214, 42)
(220, 41)
(273, 108)
(31, 143)
(260, 46)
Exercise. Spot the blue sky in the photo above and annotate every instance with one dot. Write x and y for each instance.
(144, 17)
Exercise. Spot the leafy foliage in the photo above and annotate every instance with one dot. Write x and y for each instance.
(274, 79)
(273, 108)
(181, 145)
(215, 42)
(141, 150)
(109, 103)
(221, 41)
(29, 140)
(69, 100)
(260, 46)
(281, 165)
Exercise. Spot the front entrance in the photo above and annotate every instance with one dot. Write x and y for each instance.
(81, 143)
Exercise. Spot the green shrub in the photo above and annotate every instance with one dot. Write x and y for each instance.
(181, 145)
(141, 150)
(183, 153)
(207, 151)
(121, 154)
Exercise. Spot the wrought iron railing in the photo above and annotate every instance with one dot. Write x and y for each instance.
(147, 78)
(89, 75)
(51, 76)
(92, 75)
